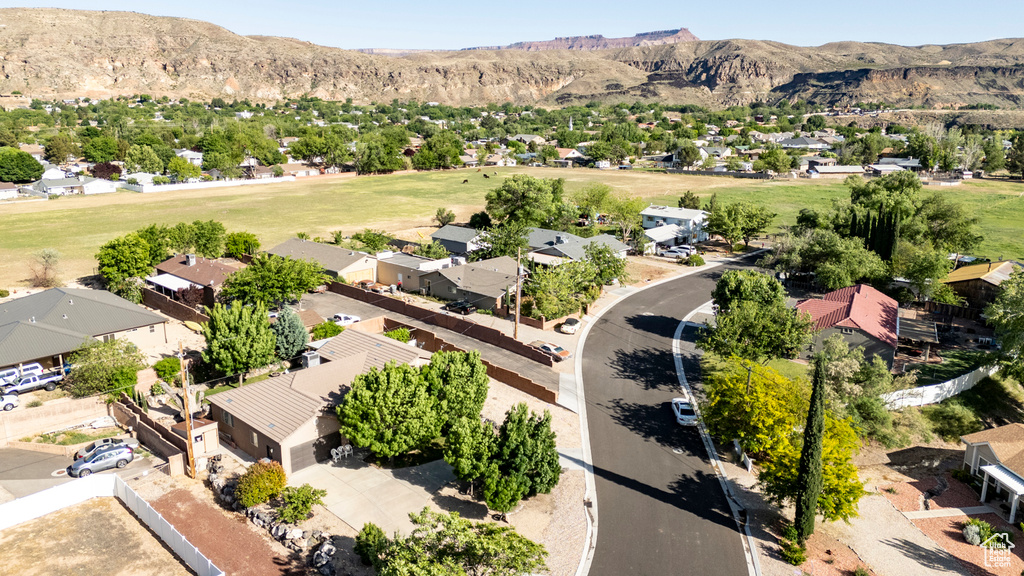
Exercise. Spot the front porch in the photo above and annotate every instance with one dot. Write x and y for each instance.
(1006, 490)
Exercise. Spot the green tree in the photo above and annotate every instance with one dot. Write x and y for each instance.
(548, 153)
(376, 154)
(102, 367)
(607, 265)
(559, 291)
(444, 217)
(238, 339)
(689, 200)
(995, 158)
(753, 219)
(756, 332)
(815, 122)
(209, 238)
(181, 238)
(182, 169)
(272, 279)
(525, 460)
(809, 473)
(722, 222)
(290, 334)
(524, 199)
(593, 199)
(625, 213)
(100, 149)
(441, 150)
(238, 244)
(687, 154)
(156, 238)
(389, 411)
(18, 167)
(435, 250)
(920, 264)
(459, 382)
(775, 159)
(469, 448)
(747, 285)
(299, 502)
(1006, 315)
(946, 224)
(480, 220)
(143, 159)
(836, 262)
(373, 240)
(506, 239)
(124, 257)
(326, 329)
(60, 149)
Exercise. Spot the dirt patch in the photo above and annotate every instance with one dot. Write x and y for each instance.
(642, 271)
(99, 536)
(948, 533)
(827, 556)
(934, 493)
(224, 537)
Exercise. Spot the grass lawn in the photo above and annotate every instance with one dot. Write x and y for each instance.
(712, 363)
(78, 226)
(954, 363)
(992, 402)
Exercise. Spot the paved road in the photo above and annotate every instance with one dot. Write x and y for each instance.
(661, 509)
(24, 472)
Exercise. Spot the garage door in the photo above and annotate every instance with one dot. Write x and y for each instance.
(308, 453)
(357, 275)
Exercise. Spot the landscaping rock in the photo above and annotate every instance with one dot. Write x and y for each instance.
(295, 533)
(319, 559)
(328, 549)
(305, 534)
(317, 533)
(327, 569)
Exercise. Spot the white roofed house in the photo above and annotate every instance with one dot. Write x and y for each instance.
(685, 225)
(194, 158)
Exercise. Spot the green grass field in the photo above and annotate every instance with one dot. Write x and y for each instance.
(402, 203)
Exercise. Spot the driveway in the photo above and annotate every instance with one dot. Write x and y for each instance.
(661, 508)
(359, 493)
(24, 472)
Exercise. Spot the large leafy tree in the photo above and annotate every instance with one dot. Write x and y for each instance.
(738, 285)
(525, 460)
(508, 239)
(238, 244)
(238, 339)
(1015, 156)
(102, 367)
(100, 149)
(469, 448)
(1006, 314)
(272, 279)
(458, 380)
(290, 333)
(760, 333)
(18, 167)
(60, 149)
(209, 238)
(124, 257)
(377, 154)
(561, 290)
(442, 150)
(390, 411)
(446, 544)
(607, 264)
(373, 240)
(809, 473)
(183, 169)
(593, 198)
(142, 158)
(524, 199)
(835, 261)
(625, 213)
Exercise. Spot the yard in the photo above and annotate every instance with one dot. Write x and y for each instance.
(78, 226)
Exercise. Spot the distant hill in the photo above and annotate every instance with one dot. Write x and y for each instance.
(598, 42)
(51, 53)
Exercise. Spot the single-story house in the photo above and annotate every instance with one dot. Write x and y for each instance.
(803, 142)
(404, 270)
(884, 169)
(194, 158)
(457, 239)
(862, 315)
(500, 158)
(8, 190)
(482, 283)
(527, 138)
(689, 220)
(905, 163)
(52, 172)
(469, 161)
(290, 418)
(82, 185)
(979, 284)
(299, 170)
(339, 262)
(569, 246)
(46, 326)
(837, 171)
(182, 270)
(35, 150)
(997, 456)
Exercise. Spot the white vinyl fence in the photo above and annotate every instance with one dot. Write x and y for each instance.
(147, 188)
(924, 395)
(105, 485)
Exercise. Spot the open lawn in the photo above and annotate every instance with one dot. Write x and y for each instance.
(400, 203)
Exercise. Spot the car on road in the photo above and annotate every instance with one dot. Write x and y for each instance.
(570, 326)
(99, 444)
(679, 251)
(8, 402)
(461, 307)
(345, 319)
(107, 457)
(9, 375)
(34, 382)
(682, 407)
(553, 350)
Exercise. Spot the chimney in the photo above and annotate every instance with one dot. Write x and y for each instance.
(310, 359)
(190, 259)
(560, 239)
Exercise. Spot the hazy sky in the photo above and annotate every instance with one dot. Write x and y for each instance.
(451, 24)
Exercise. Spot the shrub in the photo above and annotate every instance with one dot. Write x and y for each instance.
(156, 389)
(4, 293)
(161, 180)
(261, 482)
(35, 404)
(695, 260)
(167, 369)
(961, 475)
(791, 549)
(298, 502)
(369, 543)
(326, 329)
(972, 534)
(861, 571)
(951, 420)
(977, 532)
(401, 334)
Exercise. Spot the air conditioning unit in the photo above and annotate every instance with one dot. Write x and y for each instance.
(310, 359)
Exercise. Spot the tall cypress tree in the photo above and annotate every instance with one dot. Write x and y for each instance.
(809, 480)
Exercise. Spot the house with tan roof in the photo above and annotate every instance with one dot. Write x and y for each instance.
(997, 456)
(979, 284)
(291, 417)
(188, 270)
(862, 315)
(343, 263)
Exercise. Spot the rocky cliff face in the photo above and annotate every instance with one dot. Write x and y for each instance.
(50, 53)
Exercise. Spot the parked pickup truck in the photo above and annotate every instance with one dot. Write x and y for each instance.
(34, 382)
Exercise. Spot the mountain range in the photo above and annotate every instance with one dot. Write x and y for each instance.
(54, 53)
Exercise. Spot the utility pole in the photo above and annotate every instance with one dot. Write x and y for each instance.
(519, 291)
(188, 412)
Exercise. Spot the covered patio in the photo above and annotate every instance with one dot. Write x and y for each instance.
(168, 284)
(1004, 482)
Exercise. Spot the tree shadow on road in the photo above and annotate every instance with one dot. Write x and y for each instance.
(653, 422)
(652, 368)
(657, 324)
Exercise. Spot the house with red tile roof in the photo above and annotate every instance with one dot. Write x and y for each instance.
(862, 315)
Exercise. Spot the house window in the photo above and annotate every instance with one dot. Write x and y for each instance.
(847, 330)
(152, 328)
(451, 289)
(108, 337)
(228, 419)
(255, 439)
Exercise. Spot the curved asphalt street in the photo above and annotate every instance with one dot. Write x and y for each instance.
(661, 508)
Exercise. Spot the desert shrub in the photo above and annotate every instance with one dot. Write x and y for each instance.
(35, 404)
(695, 260)
(972, 534)
(861, 571)
(369, 542)
(961, 475)
(791, 549)
(167, 369)
(4, 293)
(401, 334)
(298, 502)
(977, 532)
(326, 329)
(261, 482)
(951, 420)
(156, 389)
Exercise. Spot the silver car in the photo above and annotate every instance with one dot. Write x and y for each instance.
(105, 458)
(131, 442)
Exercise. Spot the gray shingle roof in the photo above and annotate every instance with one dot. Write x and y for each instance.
(487, 277)
(332, 258)
(456, 233)
(574, 247)
(378, 350)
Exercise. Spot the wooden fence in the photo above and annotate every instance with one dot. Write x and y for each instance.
(175, 310)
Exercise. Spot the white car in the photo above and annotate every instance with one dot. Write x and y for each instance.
(9, 375)
(345, 319)
(570, 326)
(679, 251)
(8, 402)
(683, 409)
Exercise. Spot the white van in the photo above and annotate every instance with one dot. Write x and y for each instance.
(8, 375)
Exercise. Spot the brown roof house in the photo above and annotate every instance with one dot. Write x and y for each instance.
(482, 283)
(291, 418)
(862, 315)
(350, 265)
(184, 270)
(997, 455)
(979, 283)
